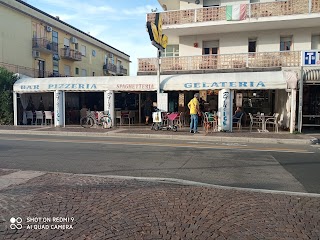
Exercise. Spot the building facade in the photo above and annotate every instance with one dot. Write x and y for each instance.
(222, 36)
(36, 44)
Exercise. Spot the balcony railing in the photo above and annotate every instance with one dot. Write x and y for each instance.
(253, 10)
(70, 54)
(123, 71)
(44, 45)
(31, 72)
(221, 61)
(110, 68)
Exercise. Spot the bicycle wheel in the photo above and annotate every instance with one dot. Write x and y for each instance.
(86, 122)
(106, 122)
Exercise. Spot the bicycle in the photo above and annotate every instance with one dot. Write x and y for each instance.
(103, 119)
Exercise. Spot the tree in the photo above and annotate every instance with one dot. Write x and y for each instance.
(7, 80)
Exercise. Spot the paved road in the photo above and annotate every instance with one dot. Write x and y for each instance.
(277, 167)
(65, 206)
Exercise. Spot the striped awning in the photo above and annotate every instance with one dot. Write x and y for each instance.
(311, 75)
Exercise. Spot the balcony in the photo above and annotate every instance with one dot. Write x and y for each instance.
(70, 54)
(44, 45)
(198, 20)
(222, 62)
(110, 69)
(122, 71)
(31, 72)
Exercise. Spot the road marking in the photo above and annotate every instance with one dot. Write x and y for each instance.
(171, 145)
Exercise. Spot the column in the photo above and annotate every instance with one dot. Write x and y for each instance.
(59, 105)
(109, 104)
(225, 110)
(293, 110)
(15, 109)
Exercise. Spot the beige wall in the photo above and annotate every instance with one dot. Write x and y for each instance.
(15, 38)
(16, 41)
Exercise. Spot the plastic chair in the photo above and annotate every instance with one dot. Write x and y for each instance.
(253, 121)
(209, 122)
(273, 121)
(238, 121)
(130, 116)
(39, 117)
(118, 116)
(30, 116)
(48, 116)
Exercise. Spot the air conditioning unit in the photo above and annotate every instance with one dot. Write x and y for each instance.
(73, 40)
(49, 29)
(35, 54)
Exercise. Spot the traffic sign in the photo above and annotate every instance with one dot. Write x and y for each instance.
(310, 58)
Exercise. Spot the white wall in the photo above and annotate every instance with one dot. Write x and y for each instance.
(232, 2)
(191, 5)
(267, 41)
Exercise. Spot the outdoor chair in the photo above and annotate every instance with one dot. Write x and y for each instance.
(209, 122)
(254, 121)
(39, 117)
(118, 116)
(30, 116)
(48, 116)
(273, 121)
(237, 121)
(130, 116)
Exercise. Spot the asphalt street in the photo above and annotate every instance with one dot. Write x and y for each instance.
(262, 166)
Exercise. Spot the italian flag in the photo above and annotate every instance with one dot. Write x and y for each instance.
(236, 12)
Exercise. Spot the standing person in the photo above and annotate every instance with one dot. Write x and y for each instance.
(193, 105)
(147, 109)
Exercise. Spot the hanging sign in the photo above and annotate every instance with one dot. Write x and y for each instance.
(158, 39)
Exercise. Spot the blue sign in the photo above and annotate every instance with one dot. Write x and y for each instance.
(310, 58)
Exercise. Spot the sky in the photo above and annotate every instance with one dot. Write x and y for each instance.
(119, 23)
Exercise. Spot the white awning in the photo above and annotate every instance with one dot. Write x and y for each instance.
(234, 80)
(86, 84)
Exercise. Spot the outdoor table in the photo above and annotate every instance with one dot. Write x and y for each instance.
(263, 120)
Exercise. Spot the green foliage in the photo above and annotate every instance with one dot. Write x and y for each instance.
(7, 80)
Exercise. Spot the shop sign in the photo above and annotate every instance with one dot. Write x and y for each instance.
(259, 84)
(158, 39)
(133, 87)
(72, 86)
(310, 58)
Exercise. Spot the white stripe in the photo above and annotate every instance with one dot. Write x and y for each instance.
(236, 12)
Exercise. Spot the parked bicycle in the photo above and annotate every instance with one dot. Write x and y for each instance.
(102, 119)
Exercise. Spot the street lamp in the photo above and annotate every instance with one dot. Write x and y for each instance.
(158, 40)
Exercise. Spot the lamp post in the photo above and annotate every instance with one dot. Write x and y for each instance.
(160, 41)
(158, 71)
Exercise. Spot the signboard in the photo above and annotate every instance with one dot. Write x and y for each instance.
(156, 116)
(310, 58)
(158, 39)
(162, 102)
(225, 109)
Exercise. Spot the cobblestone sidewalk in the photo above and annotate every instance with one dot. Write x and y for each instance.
(66, 206)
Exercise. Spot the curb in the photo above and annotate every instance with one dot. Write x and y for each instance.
(178, 182)
(160, 136)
